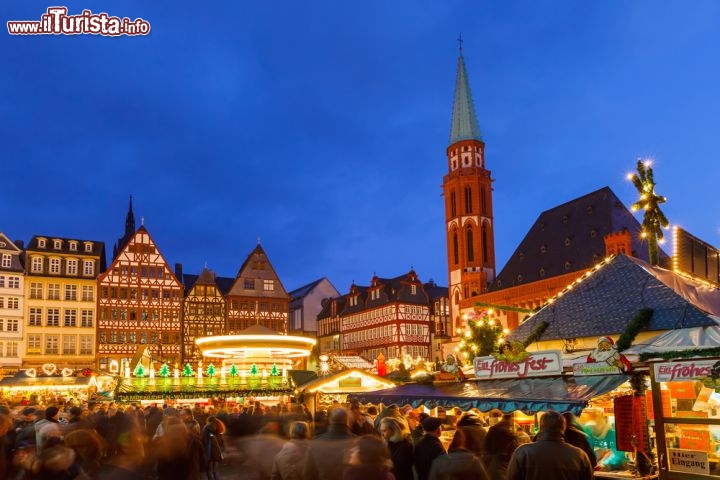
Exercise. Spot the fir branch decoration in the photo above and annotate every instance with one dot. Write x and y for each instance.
(695, 352)
(639, 321)
(638, 383)
(536, 333)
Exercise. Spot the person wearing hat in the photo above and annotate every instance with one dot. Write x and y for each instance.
(428, 448)
(47, 428)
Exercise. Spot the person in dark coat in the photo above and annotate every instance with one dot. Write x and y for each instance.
(459, 463)
(326, 457)
(500, 443)
(401, 448)
(471, 425)
(575, 436)
(550, 456)
(428, 448)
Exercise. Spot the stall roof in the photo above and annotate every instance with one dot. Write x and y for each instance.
(333, 383)
(23, 381)
(529, 395)
(692, 340)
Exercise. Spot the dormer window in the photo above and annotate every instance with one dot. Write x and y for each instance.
(413, 289)
(568, 264)
(375, 294)
(73, 246)
(88, 246)
(567, 241)
(542, 272)
(543, 249)
(565, 219)
(57, 244)
(593, 233)
(41, 243)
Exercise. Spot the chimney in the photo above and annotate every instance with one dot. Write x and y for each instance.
(178, 272)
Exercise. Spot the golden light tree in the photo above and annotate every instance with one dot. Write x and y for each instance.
(482, 337)
(653, 218)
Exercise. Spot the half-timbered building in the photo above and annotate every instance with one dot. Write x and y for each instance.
(391, 316)
(257, 297)
(203, 312)
(61, 301)
(139, 303)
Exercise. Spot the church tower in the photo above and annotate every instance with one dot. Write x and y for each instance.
(467, 189)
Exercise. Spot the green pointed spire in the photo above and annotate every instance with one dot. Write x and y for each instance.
(464, 120)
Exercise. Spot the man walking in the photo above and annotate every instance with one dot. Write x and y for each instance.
(550, 456)
(325, 458)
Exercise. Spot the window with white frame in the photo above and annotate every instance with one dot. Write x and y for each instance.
(71, 266)
(88, 246)
(88, 268)
(13, 282)
(413, 289)
(12, 325)
(36, 265)
(69, 344)
(13, 303)
(88, 293)
(268, 285)
(53, 317)
(53, 291)
(86, 344)
(41, 242)
(51, 344)
(70, 292)
(73, 246)
(12, 349)
(35, 317)
(2, 302)
(6, 260)
(55, 265)
(86, 318)
(2, 281)
(70, 317)
(33, 343)
(57, 244)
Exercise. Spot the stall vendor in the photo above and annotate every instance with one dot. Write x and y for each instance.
(601, 436)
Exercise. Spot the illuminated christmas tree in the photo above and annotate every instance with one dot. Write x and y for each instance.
(210, 370)
(139, 370)
(482, 337)
(187, 371)
(164, 370)
(253, 370)
(233, 370)
(274, 371)
(653, 218)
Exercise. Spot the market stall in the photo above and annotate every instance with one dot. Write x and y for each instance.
(27, 385)
(321, 392)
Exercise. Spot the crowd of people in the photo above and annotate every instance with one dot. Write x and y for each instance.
(66, 441)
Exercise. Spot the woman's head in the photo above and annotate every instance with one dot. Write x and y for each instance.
(216, 424)
(299, 430)
(391, 430)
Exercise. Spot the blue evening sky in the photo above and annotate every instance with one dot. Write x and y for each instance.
(321, 126)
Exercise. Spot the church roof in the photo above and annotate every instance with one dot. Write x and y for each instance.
(464, 120)
(570, 238)
(608, 299)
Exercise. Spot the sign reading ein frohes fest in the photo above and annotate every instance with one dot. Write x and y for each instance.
(537, 364)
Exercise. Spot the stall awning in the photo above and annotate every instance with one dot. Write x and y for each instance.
(133, 389)
(529, 395)
(47, 382)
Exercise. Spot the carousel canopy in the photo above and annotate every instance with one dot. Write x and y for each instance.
(133, 389)
(529, 395)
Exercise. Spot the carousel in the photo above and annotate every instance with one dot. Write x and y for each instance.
(253, 364)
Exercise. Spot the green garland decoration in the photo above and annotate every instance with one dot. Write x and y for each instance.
(639, 321)
(505, 308)
(536, 333)
(696, 352)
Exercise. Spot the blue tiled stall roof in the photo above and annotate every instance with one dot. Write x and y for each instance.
(608, 300)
